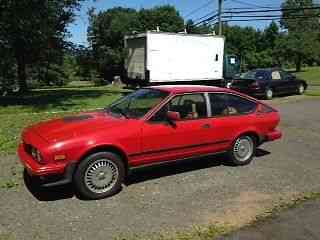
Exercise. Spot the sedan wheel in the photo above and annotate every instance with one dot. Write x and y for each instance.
(269, 94)
(301, 89)
(242, 150)
(100, 175)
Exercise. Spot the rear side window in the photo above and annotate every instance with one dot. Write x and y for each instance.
(228, 104)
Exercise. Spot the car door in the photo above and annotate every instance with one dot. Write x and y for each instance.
(163, 140)
(231, 115)
(289, 81)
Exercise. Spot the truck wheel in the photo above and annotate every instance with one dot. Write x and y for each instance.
(100, 175)
(242, 151)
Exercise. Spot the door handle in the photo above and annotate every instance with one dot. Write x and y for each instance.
(206, 126)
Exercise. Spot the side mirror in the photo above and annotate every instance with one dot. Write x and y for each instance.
(173, 116)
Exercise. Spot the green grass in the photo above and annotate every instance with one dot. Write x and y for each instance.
(18, 112)
(313, 91)
(311, 75)
(60, 99)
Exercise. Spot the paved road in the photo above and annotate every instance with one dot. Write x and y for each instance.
(198, 192)
(301, 223)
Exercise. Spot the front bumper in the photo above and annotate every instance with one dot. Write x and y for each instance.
(53, 174)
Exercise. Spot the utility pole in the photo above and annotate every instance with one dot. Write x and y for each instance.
(220, 16)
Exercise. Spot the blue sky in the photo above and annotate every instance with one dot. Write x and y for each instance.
(78, 29)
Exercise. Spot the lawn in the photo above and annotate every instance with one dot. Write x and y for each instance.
(312, 76)
(17, 112)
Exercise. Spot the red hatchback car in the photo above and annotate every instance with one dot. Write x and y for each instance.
(152, 125)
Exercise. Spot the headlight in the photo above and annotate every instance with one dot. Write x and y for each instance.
(36, 155)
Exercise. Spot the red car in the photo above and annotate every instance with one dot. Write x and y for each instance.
(152, 125)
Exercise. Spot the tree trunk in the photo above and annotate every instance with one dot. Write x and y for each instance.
(298, 63)
(22, 75)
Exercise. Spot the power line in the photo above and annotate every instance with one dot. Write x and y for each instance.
(270, 16)
(242, 8)
(273, 10)
(213, 17)
(266, 19)
(207, 19)
(198, 9)
(250, 4)
(205, 16)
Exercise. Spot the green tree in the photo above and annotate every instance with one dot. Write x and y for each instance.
(166, 17)
(243, 42)
(198, 29)
(302, 41)
(33, 29)
(106, 36)
(270, 36)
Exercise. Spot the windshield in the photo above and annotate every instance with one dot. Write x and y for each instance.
(255, 75)
(138, 103)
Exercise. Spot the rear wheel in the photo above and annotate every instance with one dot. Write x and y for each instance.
(243, 150)
(99, 176)
(301, 89)
(269, 94)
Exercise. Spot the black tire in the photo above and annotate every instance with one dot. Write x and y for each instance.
(87, 172)
(269, 94)
(301, 88)
(234, 156)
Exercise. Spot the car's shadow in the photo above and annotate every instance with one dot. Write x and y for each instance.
(173, 168)
(136, 176)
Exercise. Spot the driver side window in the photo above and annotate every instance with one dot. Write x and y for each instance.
(189, 106)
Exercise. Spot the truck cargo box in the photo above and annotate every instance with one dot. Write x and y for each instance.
(157, 57)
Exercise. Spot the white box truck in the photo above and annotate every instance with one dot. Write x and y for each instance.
(158, 57)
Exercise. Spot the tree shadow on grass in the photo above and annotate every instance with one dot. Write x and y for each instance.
(61, 98)
(136, 176)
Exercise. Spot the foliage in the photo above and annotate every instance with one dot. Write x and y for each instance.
(302, 42)
(33, 32)
(165, 17)
(198, 29)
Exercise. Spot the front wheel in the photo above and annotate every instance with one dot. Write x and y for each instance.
(99, 176)
(243, 150)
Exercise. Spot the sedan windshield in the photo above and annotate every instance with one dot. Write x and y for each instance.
(255, 75)
(138, 103)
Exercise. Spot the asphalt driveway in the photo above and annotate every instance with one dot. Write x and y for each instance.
(178, 196)
(301, 223)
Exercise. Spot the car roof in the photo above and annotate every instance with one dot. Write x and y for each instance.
(189, 88)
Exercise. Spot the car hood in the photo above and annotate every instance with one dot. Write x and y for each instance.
(72, 126)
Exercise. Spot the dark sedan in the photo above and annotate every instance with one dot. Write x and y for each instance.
(267, 83)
